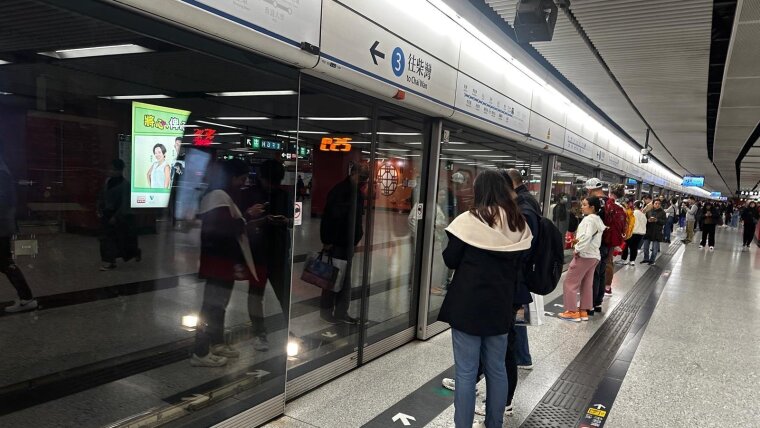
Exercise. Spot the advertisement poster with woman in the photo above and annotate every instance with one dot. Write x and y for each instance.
(155, 133)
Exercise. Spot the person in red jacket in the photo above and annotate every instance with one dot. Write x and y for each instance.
(616, 221)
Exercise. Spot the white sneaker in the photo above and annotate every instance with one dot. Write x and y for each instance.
(632, 263)
(449, 383)
(712, 248)
(509, 410)
(260, 343)
(210, 360)
(224, 350)
(478, 424)
(701, 247)
(22, 306)
(480, 409)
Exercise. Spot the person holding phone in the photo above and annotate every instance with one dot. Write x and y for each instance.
(656, 219)
(270, 217)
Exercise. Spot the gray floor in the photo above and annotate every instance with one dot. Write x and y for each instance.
(697, 365)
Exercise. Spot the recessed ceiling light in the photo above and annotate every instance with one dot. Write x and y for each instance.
(135, 97)
(395, 150)
(2, 62)
(241, 118)
(493, 156)
(398, 133)
(217, 124)
(96, 51)
(454, 159)
(414, 144)
(346, 118)
(251, 93)
(6, 93)
(456, 142)
(468, 150)
(230, 133)
(309, 132)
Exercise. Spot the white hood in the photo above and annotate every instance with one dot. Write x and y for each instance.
(473, 231)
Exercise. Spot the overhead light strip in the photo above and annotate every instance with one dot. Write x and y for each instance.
(96, 51)
(252, 93)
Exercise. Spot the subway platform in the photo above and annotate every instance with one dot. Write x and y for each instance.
(678, 345)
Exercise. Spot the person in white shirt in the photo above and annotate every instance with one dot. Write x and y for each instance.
(639, 230)
(580, 275)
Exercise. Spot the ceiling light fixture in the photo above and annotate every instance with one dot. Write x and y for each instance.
(309, 132)
(346, 118)
(6, 93)
(241, 118)
(135, 97)
(230, 133)
(3, 62)
(216, 124)
(96, 51)
(394, 150)
(468, 150)
(251, 93)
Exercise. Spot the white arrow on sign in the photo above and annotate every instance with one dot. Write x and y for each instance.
(329, 334)
(404, 418)
(599, 406)
(258, 373)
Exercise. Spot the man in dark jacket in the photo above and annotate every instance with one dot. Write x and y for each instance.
(656, 219)
(118, 236)
(340, 232)
(708, 223)
(26, 301)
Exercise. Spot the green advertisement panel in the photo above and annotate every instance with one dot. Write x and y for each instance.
(156, 139)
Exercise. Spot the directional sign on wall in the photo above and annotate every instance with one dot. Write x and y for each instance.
(355, 49)
(479, 100)
(575, 144)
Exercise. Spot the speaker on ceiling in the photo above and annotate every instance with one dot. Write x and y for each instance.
(534, 20)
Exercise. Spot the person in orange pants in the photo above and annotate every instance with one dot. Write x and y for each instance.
(580, 275)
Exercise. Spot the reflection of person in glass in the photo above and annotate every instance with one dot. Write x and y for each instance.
(225, 258)
(271, 211)
(118, 236)
(340, 231)
(26, 301)
(159, 175)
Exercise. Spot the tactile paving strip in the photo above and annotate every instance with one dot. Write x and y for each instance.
(565, 402)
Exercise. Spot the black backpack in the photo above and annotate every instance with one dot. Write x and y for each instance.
(544, 268)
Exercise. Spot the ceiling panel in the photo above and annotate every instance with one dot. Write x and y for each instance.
(739, 110)
(659, 52)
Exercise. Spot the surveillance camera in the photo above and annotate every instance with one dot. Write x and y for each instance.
(646, 150)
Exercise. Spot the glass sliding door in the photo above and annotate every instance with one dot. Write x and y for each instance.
(467, 153)
(397, 178)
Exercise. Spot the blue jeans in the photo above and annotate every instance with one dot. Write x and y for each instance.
(522, 350)
(655, 249)
(668, 230)
(468, 352)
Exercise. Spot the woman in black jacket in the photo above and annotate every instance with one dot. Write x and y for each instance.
(225, 258)
(750, 215)
(709, 221)
(656, 219)
(485, 249)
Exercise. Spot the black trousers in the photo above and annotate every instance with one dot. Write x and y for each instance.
(278, 275)
(336, 304)
(119, 240)
(708, 235)
(749, 233)
(9, 269)
(632, 247)
(599, 275)
(210, 329)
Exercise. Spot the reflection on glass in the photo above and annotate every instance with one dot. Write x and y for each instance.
(117, 206)
(567, 192)
(331, 236)
(468, 153)
(397, 179)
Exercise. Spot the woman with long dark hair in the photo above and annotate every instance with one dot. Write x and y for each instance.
(485, 249)
(225, 258)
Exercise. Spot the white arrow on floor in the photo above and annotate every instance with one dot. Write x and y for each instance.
(329, 334)
(404, 418)
(599, 406)
(258, 373)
